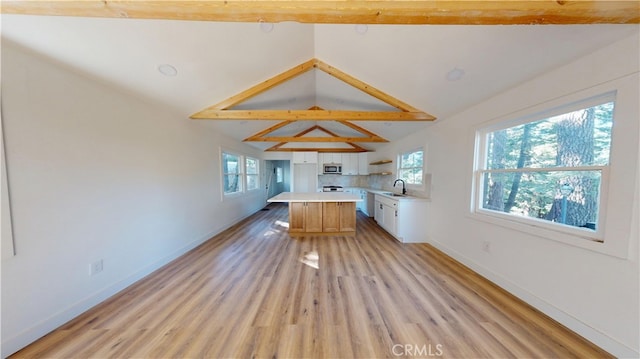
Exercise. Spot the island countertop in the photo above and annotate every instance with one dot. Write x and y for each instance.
(315, 197)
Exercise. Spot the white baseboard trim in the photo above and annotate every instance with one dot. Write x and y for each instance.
(593, 335)
(17, 342)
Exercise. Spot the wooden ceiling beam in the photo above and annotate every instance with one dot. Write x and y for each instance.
(306, 149)
(456, 12)
(335, 135)
(268, 130)
(316, 139)
(364, 131)
(311, 115)
(299, 137)
(360, 85)
(261, 87)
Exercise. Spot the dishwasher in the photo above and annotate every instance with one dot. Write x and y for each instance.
(371, 203)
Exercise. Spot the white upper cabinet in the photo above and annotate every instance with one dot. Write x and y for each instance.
(332, 158)
(305, 157)
(363, 163)
(350, 164)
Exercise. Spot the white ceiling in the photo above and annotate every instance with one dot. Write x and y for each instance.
(217, 60)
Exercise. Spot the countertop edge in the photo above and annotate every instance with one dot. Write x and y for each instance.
(288, 197)
(383, 193)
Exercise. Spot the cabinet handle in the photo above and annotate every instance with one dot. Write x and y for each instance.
(396, 213)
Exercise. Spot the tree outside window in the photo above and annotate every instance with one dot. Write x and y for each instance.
(231, 169)
(410, 167)
(549, 169)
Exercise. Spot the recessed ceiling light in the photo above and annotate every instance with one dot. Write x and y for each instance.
(266, 26)
(362, 29)
(167, 70)
(455, 74)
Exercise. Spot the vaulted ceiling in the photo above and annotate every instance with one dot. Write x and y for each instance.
(438, 69)
(317, 136)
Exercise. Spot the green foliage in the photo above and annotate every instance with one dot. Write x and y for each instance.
(533, 150)
(410, 167)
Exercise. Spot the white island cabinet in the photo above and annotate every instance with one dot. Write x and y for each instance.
(405, 218)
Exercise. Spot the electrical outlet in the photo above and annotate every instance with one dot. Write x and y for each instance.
(97, 267)
(486, 246)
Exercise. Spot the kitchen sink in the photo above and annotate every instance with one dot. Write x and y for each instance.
(394, 194)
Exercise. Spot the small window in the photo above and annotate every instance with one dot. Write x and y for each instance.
(550, 169)
(253, 174)
(279, 175)
(410, 167)
(231, 173)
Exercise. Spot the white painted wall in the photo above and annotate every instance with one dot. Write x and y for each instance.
(98, 174)
(595, 294)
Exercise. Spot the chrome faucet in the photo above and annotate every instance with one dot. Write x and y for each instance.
(404, 187)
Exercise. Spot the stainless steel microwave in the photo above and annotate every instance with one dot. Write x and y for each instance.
(332, 169)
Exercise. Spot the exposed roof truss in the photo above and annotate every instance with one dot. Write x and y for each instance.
(402, 112)
(223, 111)
(300, 137)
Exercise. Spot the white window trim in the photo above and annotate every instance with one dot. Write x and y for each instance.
(597, 235)
(246, 182)
(616, 226)
(412, 186)
(242, 173)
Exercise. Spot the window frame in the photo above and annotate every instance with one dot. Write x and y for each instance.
(558, 231)
(239, 174)
(247, 174)
(413, 186)
(242, 174)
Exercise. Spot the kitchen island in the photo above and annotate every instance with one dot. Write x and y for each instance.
(322, 213)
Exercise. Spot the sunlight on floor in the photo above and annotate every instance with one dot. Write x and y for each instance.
(282, 224)
(311, 259)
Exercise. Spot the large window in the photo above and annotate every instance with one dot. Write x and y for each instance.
(550, 168)
(239, 173)
(410, 167)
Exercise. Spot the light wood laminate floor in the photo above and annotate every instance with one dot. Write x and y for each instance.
(253, 291)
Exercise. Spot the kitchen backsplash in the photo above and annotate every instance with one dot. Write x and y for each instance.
(380, 182)
(344, 181)
(374, 181)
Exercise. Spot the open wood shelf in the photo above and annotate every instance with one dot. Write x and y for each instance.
(381, 173)
(382, 162)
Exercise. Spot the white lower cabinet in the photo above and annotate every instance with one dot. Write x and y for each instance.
(390, 218)
(405, 219)
(377, 213)
(386, 212)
